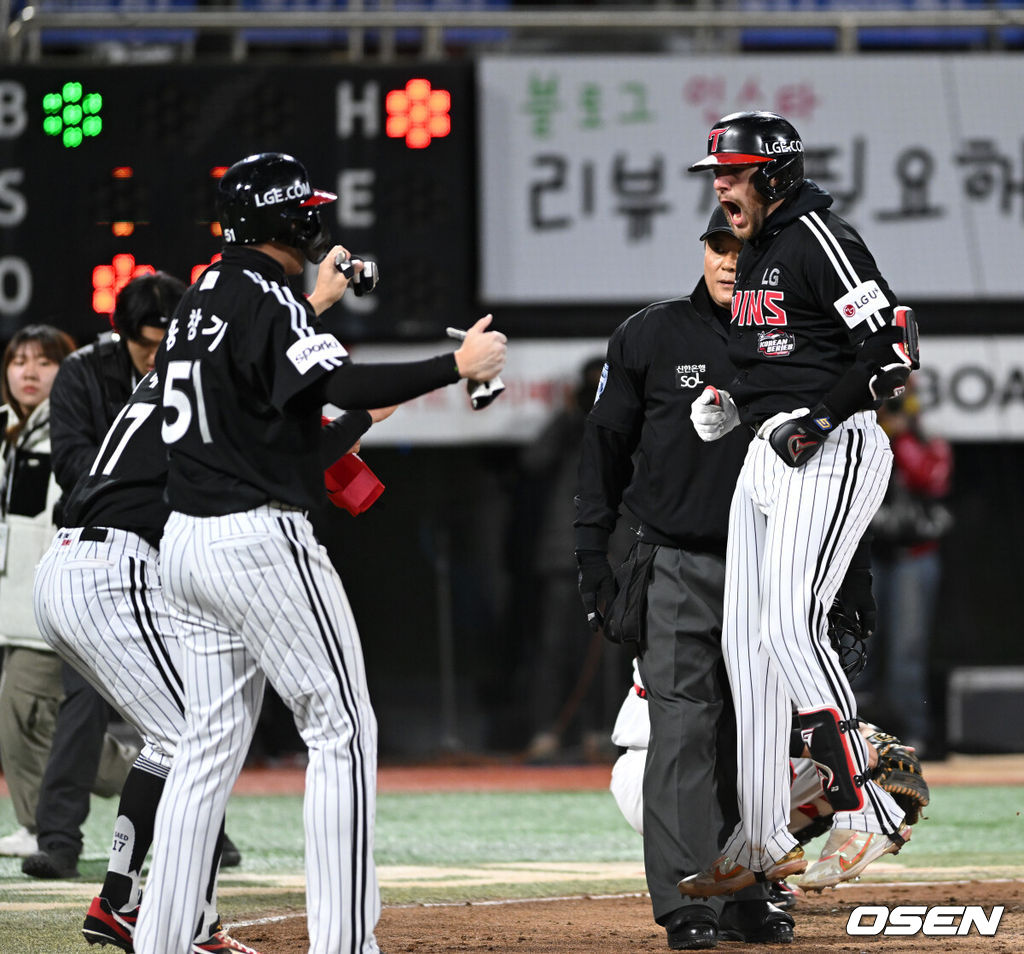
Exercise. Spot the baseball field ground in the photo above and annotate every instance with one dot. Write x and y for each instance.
(502, 857)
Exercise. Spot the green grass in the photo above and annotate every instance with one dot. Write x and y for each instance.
(486, 833)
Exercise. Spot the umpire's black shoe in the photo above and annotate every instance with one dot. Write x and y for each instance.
(55, 863)
(756, 922)
(230, 856)
(692, 928)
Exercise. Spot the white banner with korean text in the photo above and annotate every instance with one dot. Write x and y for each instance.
(970, 389)
(586, 198)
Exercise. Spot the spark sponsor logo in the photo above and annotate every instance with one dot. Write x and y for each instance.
(761, 306)
(776, 344)
(861, 302)
(307, 352)
(943, 920)
(297, 190)
(689, 375)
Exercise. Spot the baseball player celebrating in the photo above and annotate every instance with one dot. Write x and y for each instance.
(244, 373)
(100, 605)
(818, 341)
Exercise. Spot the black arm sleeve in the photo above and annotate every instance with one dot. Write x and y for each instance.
(338, 436)
(852, 392)
(606, 466)
(356, 385)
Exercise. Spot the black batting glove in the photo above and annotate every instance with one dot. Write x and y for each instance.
(596, 585)
(796, 436)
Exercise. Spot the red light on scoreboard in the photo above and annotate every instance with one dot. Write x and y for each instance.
(108, 280)
(197, 270)
(418, 114)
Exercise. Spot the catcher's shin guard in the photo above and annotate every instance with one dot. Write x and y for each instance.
(825, 735)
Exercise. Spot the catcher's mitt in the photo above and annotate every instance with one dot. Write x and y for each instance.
(899, 773)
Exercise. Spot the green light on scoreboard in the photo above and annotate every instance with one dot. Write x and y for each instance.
(72, 114)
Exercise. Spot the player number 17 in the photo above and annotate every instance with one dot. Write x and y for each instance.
(176, 396)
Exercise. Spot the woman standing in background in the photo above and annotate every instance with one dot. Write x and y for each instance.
(30, 687)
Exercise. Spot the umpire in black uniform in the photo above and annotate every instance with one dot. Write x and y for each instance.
(639, 450)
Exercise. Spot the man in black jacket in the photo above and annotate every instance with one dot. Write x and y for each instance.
(818, 341)
(87, 395)
(639, 450)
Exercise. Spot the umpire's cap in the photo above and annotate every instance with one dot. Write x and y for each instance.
(717, 223)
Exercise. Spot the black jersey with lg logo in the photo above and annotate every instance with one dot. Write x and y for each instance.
(241, 401)
(124, 488)
(808, 293)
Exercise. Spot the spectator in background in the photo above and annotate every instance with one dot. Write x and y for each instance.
(576, 675)
(907, 568)
(30, 688)
(87, 394)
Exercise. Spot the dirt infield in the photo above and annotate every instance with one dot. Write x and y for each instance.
(484, 775)
(591, 925)
(620, 924)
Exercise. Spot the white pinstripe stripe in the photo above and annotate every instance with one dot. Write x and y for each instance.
(835, 253)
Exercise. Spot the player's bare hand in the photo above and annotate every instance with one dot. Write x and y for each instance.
(379, 414)
(331, 283)
(482, 353)
(354, 449)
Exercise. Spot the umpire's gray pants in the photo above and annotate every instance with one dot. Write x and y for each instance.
(692, 728)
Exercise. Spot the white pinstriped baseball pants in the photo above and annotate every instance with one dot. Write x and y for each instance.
(99, 603)
(262, 601)
(792, 534)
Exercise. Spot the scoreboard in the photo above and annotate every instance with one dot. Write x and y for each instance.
(110, 172)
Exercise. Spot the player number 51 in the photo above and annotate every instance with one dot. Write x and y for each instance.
(176, 396)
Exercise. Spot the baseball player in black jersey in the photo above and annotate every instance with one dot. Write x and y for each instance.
(244, 373)
(639, 450)
(100, 605)
(817, 340)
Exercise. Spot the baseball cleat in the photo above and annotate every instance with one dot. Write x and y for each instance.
(19, 844)
(104, 925)
(727, 877)
(846, 854)
(219, 941)
(784, 895)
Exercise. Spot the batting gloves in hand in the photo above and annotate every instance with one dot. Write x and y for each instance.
(596, 585)
(713, 414)
(796, 436)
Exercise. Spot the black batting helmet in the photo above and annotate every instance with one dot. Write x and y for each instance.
(268, 198)
(761, 138)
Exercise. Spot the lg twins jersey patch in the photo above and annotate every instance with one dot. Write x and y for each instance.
(861, 303)
(316, 349)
